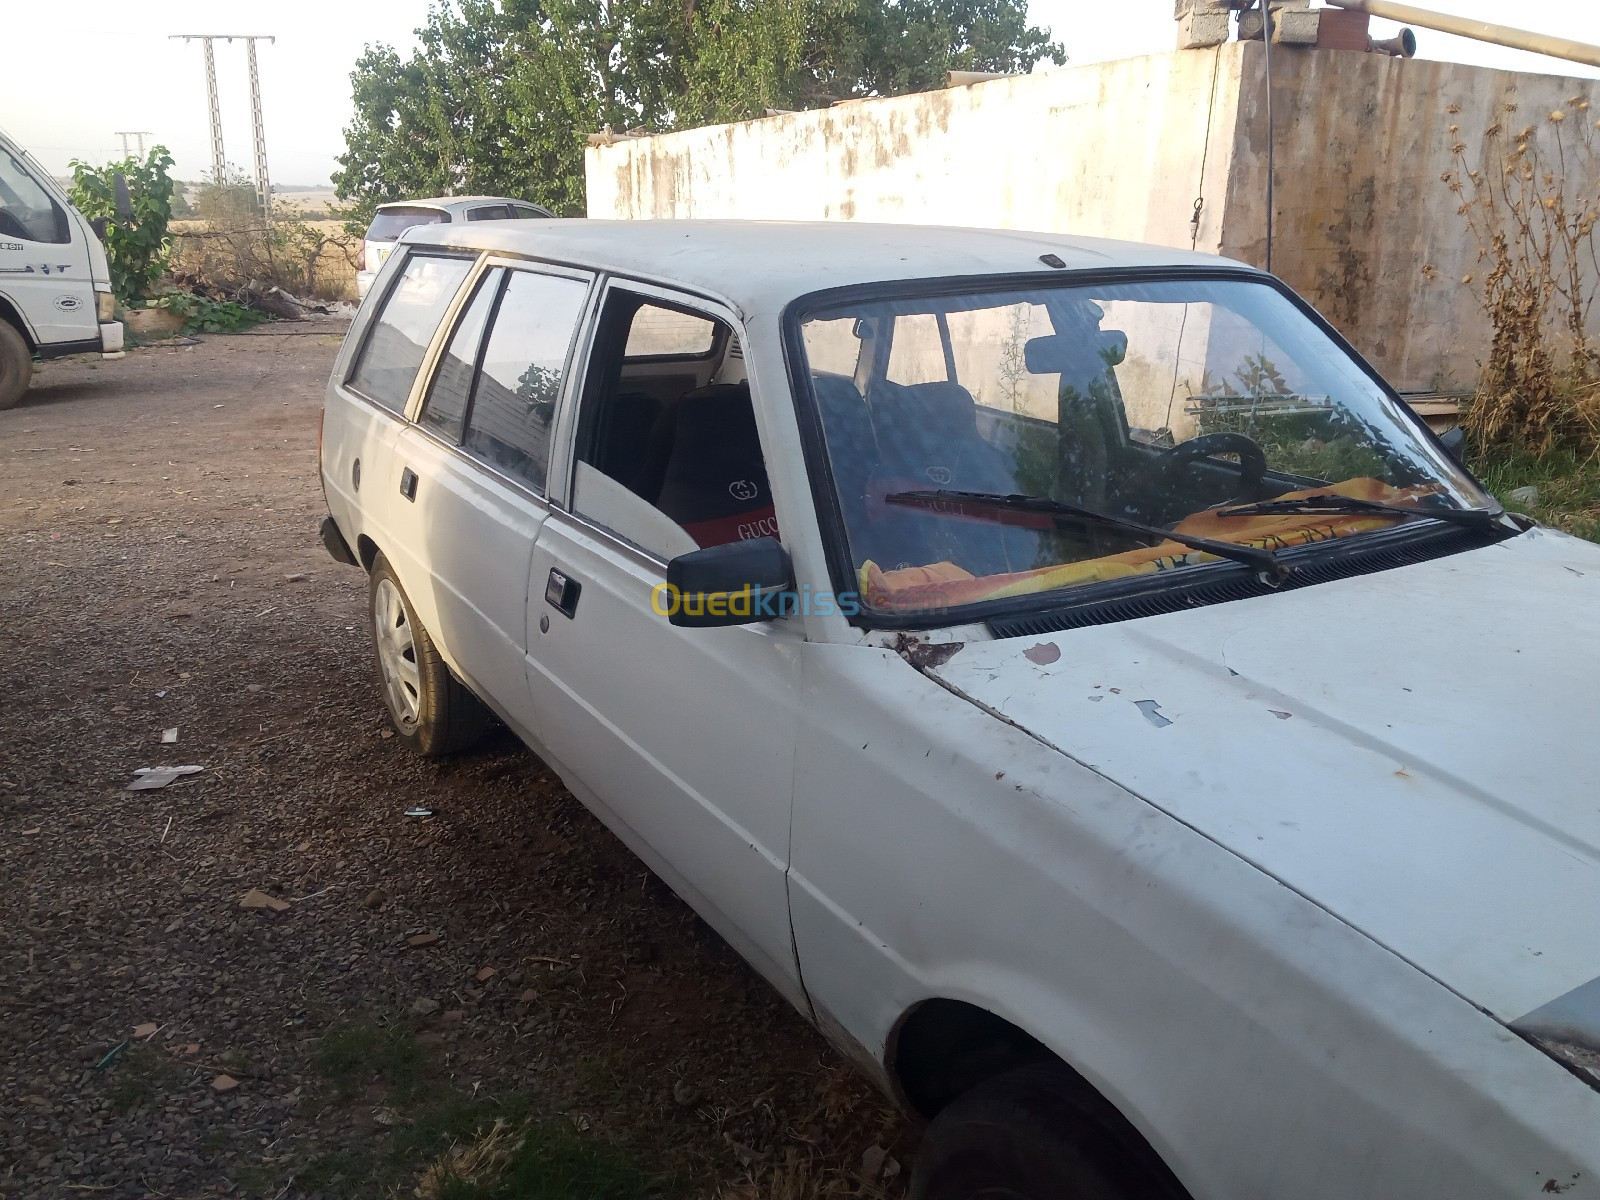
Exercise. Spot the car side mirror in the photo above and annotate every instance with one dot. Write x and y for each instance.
(737, 584)
(99, 224)
(1454, 442)
(124, 201)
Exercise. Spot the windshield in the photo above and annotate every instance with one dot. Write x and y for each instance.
(1158, 403)
(389, 223)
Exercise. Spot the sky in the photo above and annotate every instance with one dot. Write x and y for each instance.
(80, 70)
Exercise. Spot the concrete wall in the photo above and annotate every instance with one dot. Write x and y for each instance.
(1110, 151)
(1364, 226)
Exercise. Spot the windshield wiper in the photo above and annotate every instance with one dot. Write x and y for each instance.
(1332, 502)
(1264, 561)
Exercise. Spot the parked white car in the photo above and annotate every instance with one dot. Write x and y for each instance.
(389, 221)
(55, 285)
(1062, 668)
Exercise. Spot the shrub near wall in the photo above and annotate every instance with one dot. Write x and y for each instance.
(1532, 202)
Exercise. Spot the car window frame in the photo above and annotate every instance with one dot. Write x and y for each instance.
(824, 490)
(564, 444)
(371, 312)
(487, 262)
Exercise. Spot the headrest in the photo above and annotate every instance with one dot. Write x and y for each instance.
(723, 407)
(1075, 354)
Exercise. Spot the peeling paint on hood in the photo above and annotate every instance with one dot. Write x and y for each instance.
(1416, 751)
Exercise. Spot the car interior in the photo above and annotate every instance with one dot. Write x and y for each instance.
(669, 416)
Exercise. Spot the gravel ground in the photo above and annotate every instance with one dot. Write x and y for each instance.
(507, 955)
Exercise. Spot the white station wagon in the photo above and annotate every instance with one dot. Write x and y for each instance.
(1063, 669)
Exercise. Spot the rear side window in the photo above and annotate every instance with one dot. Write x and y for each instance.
(489, 212)
(519, 379)
(388, 363)
(523, 212)
(445, 410)
(390, 223)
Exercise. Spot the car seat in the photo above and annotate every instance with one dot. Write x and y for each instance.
(714, 478)
(928, 438)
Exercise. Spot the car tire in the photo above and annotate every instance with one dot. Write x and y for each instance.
(16, 364)
(1029, 1134)
(433, 712)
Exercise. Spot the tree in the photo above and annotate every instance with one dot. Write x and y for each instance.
(137, 247)
(502, 93)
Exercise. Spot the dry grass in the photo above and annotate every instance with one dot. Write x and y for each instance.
(309, 259)
(481, 1164)
(1533, 204)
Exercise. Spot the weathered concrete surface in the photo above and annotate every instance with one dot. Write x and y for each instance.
(1365, 227)
(1113, 151)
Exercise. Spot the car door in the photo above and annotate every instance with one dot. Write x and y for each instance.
(371, 390)
(469, 473)
(682, 740)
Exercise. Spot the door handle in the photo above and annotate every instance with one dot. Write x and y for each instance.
(561, 592)
(408, 484)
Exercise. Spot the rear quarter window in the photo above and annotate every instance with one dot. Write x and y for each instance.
(390, 223)
(392, 353)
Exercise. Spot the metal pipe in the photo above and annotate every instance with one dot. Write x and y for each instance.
(1481, 31)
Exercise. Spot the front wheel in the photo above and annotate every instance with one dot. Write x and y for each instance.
(432, 710)
(1029, 1135)
(16, 364)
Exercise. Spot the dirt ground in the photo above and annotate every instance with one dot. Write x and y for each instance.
(505, 958)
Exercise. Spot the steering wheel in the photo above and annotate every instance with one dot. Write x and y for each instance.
(1252, 459)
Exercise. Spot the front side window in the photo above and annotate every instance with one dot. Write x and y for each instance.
(1159, 405)
(26, 209)
(519, 378)
(669, 454)
(395, 345)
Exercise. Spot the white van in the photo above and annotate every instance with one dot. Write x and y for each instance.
(55, 286)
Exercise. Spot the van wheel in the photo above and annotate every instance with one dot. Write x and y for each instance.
(431, 709)
(16, 364)
(1029, 1135)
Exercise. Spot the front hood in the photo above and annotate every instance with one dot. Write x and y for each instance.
(1415, 751)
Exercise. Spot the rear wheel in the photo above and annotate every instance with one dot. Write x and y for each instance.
(16, 364)
(431, 709)
(1030, 1135)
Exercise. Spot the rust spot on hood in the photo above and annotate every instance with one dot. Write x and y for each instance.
(925, 656)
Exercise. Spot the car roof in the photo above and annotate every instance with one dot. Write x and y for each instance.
(762, 265)
(454, 202)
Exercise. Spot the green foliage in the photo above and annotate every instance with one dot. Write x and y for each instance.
(353, 1055)
(549, 1161)
(1568, 486)
(136, 248)
(1318, 441)
(203, 315)
(501, 94)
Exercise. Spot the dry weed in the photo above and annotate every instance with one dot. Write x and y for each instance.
(1533, 204)
(480, 1163)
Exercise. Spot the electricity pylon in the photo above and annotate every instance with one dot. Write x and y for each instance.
(219, 164)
